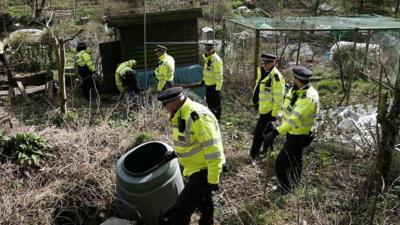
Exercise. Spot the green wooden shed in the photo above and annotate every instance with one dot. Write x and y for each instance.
(169, 26)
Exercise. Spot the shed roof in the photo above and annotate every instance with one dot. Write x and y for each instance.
(319, 23)
(154, 17)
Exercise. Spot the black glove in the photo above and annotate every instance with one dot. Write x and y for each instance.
(202, 84)
(273, 118)
(270, 137)
(169, 155)
(213, 187)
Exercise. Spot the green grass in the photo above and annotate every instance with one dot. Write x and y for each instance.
(144, 137)
(62, 4)
(331, 92)
(19, 11)
(328, 86)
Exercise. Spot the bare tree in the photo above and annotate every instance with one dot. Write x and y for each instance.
(60, 56)
(37, 7)
(389, 120)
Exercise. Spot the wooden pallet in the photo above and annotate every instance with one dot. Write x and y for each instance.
(38, 81)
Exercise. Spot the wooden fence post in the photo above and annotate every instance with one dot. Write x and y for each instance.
(355, 33)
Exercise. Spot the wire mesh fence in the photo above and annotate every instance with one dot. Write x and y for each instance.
(343, 56)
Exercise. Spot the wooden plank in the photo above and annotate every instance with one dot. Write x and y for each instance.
(22, 90)
(33, 79)
(28, 90)
(3, 87)
(49, 87)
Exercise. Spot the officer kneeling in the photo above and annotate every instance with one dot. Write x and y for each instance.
(126, 78)
(198, 146)
(300, 108)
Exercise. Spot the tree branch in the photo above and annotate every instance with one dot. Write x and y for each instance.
(72, 38)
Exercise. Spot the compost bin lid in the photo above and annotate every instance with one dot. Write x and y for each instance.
(145, 158)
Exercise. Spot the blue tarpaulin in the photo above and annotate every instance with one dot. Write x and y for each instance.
(183, 76)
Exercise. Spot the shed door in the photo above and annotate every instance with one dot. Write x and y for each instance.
(110, 53)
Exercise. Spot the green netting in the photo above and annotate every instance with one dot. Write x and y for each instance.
(326, 47)
(363, 22)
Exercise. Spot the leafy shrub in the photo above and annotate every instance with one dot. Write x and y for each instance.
(40, 54)
(330, 85)
(143, 137)
(27, 149)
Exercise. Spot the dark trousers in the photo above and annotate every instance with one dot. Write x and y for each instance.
(213, 99)
(3, 59)
(167, 85)
(264, 126)
(289, 162)
(196, 194)
(87, 80)
(130, 81)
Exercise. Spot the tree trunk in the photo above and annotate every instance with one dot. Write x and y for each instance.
(390, 131)
(37, 7)
(61, 77)
(316, 7)
(397, 7)
(390, 125)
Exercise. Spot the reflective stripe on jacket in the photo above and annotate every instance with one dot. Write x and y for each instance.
(199, 144)
(1, 47)
(165, 70)
(213, 71)
(300, 110)
(84, 58)
(121, 69)
(271, 92)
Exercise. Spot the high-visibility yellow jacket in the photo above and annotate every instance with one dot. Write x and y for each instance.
(84, 58)
(165, 70)
(213, 71)
(121, 69)
(198, 144)
(300, 110)
(271, 92)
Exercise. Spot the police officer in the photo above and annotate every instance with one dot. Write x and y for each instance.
(126, 77)
(267, 98)
(213, 79)
(198, 146)
(86, 68)
(300, 109)
(165, 70)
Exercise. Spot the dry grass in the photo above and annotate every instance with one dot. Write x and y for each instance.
(77, 185)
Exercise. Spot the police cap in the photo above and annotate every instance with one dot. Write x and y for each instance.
(81, 46)
(170, 94)
(160, 48)
(210, 45)
(302, 73)
(267, 58)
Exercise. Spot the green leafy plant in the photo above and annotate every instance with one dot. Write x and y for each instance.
(27, 149)
(144, 137)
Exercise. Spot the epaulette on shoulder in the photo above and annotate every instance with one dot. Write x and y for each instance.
(277, 78)
(194, 115)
